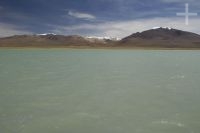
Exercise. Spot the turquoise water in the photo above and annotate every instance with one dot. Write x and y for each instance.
(99, 91)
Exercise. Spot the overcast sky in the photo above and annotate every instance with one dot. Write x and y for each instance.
(116, 18)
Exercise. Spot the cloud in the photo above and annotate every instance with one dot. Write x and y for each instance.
(124, 28)
(9, 30)
(81, 15)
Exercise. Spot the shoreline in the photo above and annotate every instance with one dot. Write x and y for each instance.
(104, 48)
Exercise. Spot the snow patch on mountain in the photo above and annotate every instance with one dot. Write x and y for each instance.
(44, 34)
(103, 38)
(168, 28)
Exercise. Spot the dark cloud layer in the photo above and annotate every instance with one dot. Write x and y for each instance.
(38, 16)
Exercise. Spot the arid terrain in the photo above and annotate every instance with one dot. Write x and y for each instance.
(153, 38)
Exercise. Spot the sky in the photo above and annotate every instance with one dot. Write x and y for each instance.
(114, 18)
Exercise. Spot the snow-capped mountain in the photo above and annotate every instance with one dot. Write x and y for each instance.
(158, 37)
(162, 37)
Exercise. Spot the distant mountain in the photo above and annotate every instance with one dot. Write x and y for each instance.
(162, 37)
(50, 40)
(153, 38)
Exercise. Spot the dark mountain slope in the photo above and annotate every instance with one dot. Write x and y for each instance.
(162, 37)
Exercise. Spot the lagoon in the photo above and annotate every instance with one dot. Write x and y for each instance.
(99, 91)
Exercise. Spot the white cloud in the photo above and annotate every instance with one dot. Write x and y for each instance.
(9, 30)
(81, 15)
(125, 28)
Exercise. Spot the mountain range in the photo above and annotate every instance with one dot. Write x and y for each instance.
(153, 38)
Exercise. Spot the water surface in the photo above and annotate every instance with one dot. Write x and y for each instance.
(99, 91)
